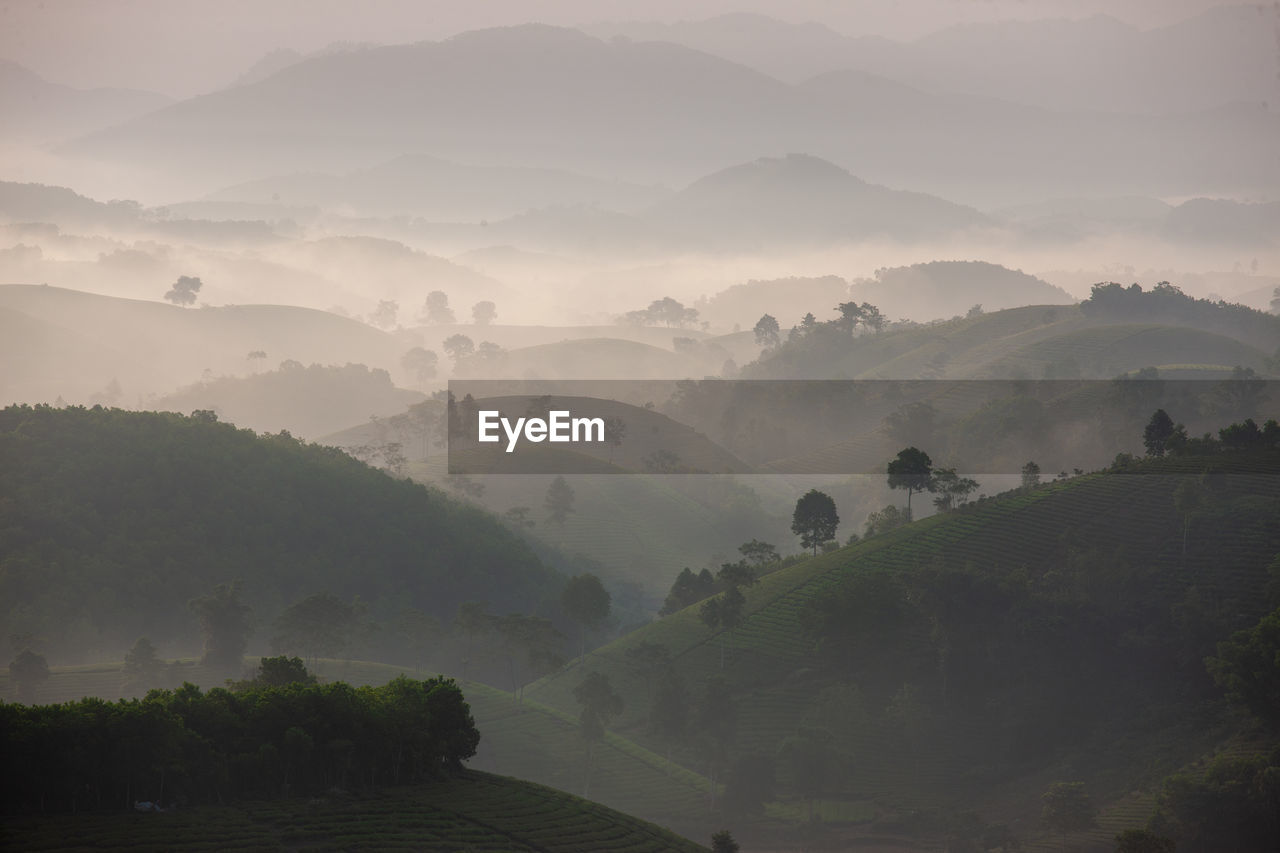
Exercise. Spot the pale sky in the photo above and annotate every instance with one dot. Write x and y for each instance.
(186, 47)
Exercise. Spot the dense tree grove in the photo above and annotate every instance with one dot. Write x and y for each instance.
(187, 746)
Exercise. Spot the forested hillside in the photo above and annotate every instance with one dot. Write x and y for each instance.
(112, 521)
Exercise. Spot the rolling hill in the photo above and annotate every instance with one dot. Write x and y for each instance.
(307, 402)
(942, 289)
(74, 344)
(803, 199)
(969, 659)
(118, 519)
(984, 345)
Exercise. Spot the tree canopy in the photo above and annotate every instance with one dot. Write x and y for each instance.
(912, 470)
(815, 519)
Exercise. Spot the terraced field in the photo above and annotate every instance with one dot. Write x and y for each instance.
(476, 811)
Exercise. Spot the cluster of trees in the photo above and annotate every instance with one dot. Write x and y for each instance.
(436, 311)
(1161, 436)
(1166, 302)
(662, 312)
(689, 588)
(258, 740)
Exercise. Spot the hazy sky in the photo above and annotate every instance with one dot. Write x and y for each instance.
(185, 47)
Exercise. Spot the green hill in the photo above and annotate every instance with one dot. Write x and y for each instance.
(965, 661)
(113, 520)
(1117, 330)
(306, 401)
(1112, 350)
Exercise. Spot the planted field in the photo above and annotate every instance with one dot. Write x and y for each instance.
(476, 811)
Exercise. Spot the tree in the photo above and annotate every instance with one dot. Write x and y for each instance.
(953, 490)
(559, 501)
(815, 519)
(458, 347)
(586, 602)
(143, 668)
(384, 316)
(1157, 433)
(421, 363)
(615, 430)
(534, 642)
(436, 310)
(600, 704)
(767, 332)
(1030, 475)
(722, 842)
(1247, 667)
(27, 672)
(872, 318)
(184, 290)
(889, 518)
(851, 315)
(688, 589)
(758, 554)
(282, 670)
(319, 625)
(911, 470)
(484, 312)
(224, 620)
(1067, 808)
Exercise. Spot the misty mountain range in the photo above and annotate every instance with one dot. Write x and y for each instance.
(1220, 56)
(557, 98)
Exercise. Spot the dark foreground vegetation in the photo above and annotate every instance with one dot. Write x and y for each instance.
(189, 747)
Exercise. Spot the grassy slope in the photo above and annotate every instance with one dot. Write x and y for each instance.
(477, 811)
(1027, 338)
(769, 657)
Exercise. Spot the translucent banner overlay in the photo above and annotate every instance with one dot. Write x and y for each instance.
(843, 427)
